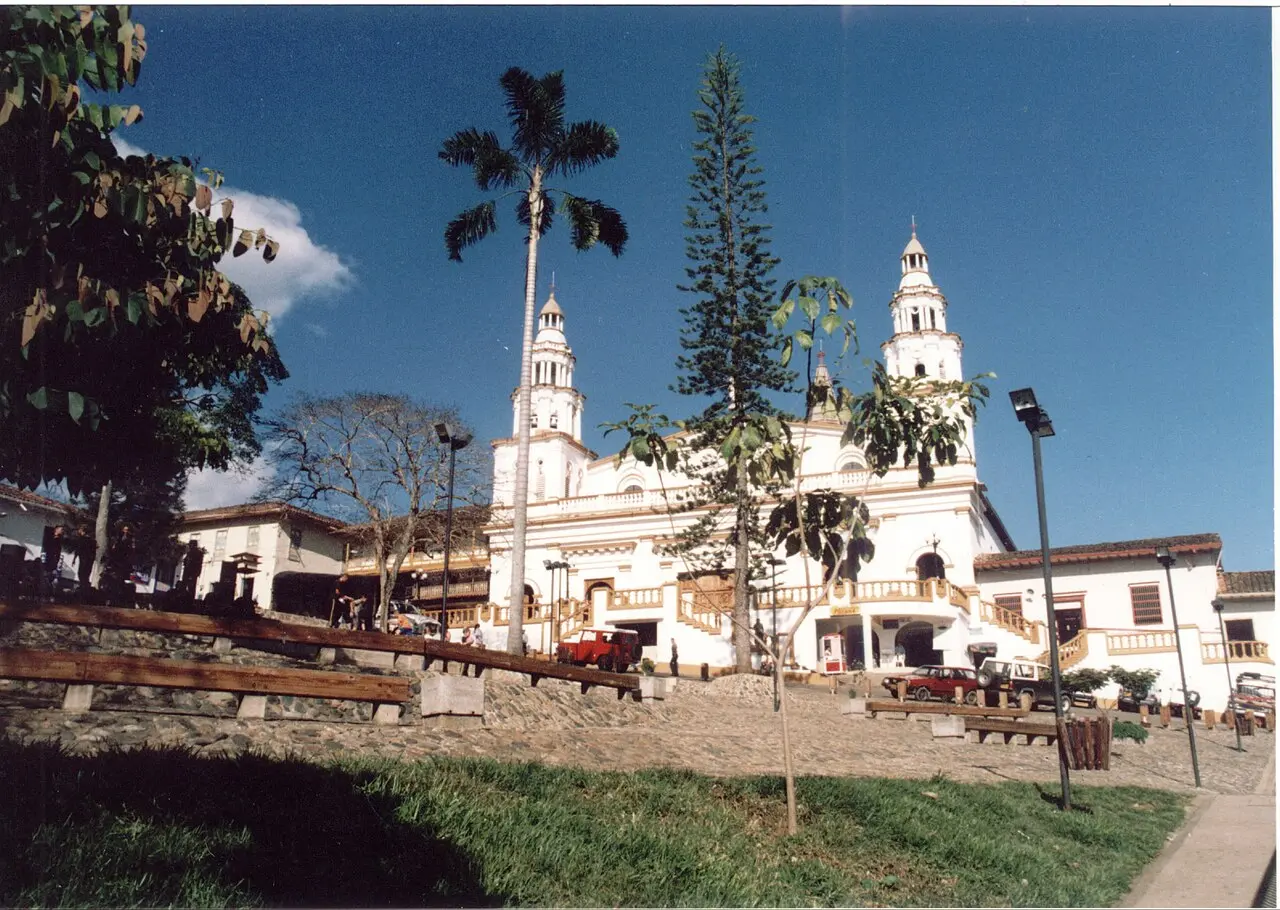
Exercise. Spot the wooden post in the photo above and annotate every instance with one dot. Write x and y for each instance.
(959, 695)
(1144, 715)
(1166, 715)
(1210, 718)
(902, 690)
(1246, 723)
(1271, 720)
(1024, 702)
(1230, 719)
(1004, 699)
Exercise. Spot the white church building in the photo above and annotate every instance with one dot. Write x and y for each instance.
(946, 585)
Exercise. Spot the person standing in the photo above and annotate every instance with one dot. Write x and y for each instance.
(364, 614)
(340, 612)
(675, 659)
(477, 637)
(86, 549)
(192, 563)
(120, 569)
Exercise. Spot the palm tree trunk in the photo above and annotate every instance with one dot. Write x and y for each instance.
(515, 613)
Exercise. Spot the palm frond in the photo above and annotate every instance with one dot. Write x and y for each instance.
(548, 212)
(586, 143)
(468, 228)
(494, 167)
(594, 222)
(535, 108)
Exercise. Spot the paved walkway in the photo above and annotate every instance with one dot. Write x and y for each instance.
(1221, 857)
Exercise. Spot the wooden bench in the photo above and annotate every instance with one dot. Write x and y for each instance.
(984, 727)
(82, 671)
(226, 631)
(889, 706)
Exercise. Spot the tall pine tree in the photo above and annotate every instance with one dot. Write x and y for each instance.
(730, 350)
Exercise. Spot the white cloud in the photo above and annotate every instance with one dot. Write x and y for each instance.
(303, 269)
(209, 489)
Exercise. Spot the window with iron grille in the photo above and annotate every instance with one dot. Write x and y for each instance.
(1010, 602)
(295, 544)
(1146, 604)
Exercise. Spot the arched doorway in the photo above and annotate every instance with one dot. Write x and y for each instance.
(916, 639)
(930, 565)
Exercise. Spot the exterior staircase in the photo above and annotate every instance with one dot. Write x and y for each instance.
(1070, 653)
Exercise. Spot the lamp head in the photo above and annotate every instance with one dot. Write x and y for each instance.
(1217, 605)
(1164, 556)
(1028, 410)
(548, 564)
(443, 431)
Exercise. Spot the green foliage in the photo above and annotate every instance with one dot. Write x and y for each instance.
(1127, 729)
(163, 827)
(647, 666)
(122, 329)
(1085, 680)
(1137, 682)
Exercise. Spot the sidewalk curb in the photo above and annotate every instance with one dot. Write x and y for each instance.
(1200, 804)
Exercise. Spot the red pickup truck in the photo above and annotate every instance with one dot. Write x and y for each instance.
(608, 649)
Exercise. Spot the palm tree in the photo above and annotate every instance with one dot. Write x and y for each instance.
(542, 147)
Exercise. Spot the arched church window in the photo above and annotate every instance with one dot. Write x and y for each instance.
(930, 565)
(633, 488)
(852, 465)
(555, 420)
(920, 369)
(915, 320)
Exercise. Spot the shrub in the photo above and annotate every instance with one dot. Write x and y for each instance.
(1138, 682)
(647, 666)
(1127, 729)
(1085, 680)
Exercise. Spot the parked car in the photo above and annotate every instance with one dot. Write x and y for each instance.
(418, 624)
(933, 681)
(1256, 692)
(1126, 701)
(608, 649)
(1021, 677)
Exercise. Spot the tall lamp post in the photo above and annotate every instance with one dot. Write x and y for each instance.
(1037, 422)
(456, 442)
(774, 562)
(1166, 558)
(557, 592)
(550, 567)
(1218, 606)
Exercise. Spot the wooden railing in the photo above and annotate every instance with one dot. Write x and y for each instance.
(1071, 652)
(1212, 652)
(533, 613)
(701, 613)
(1009, 620)
(635, 599)
(573, 616)
(1140, 642)
(456, 589)
(463, 616)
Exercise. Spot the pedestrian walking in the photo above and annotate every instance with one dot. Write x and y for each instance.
(675, 659)
(477, 637)
(340, 612)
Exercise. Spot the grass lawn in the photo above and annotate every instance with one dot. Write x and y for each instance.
(166, 828)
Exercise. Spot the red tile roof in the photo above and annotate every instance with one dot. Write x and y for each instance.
(26, 497)
(279, 511)
(1245, 583)
(1094, 552)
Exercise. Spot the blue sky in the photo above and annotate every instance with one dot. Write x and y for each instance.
(1092, 186)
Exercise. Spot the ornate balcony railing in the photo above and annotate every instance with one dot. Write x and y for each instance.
(635, 599)
(1071, 652)
(1212, 652)
(1138, 642)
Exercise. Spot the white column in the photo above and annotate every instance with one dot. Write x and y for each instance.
(868, 662)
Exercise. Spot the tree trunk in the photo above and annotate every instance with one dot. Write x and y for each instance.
(515, 613)
(742, 574)
(788, 766)
(100, 536)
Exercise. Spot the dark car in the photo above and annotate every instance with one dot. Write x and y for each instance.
(934, 681)
(1021, 677)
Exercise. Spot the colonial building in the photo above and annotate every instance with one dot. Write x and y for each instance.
(946, 585)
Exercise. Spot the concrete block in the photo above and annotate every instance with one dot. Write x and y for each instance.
(385, 660)
(410, 662)
(854, 706)
(452, 695)
(652, 687)
(79, 699)
(252, 707)
(221, 645)
(387, 715)
(326, 655)
(948, 726)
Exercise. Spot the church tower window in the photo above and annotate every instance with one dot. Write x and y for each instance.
(555, 420)
(920, 369)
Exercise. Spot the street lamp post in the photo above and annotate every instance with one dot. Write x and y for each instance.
(774, 562)
(557, 592)
(456, 442)
(550, 567)
(1037, 422)
(1166, 558)
(1218, 606)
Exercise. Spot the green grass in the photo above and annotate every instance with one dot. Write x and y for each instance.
(166, 828)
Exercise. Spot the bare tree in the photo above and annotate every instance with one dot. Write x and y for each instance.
(377, 461)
